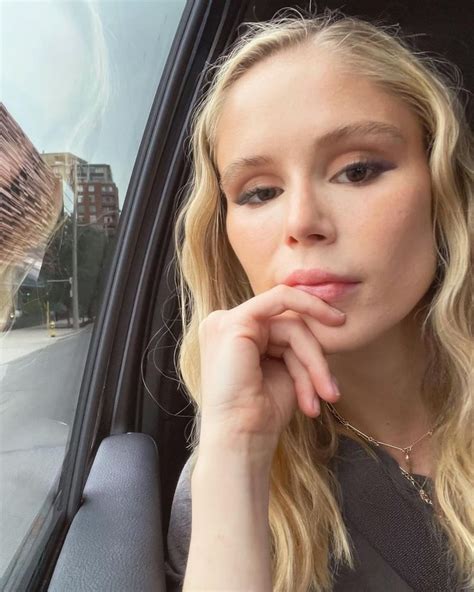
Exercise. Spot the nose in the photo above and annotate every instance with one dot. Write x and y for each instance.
(309, 217)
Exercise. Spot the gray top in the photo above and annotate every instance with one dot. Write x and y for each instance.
(391, 528)
(179, 532)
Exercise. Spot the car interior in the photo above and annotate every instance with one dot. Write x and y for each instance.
(130, 439)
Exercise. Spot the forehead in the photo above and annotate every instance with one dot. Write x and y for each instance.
(299, 95)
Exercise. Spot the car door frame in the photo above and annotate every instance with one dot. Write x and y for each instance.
(106, 403)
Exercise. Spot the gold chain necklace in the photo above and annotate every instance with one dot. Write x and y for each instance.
(407, 450)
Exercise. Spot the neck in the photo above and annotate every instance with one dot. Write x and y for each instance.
(381, 391)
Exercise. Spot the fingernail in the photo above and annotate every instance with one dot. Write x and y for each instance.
(336, 387)
(338, 312)
(316, 407)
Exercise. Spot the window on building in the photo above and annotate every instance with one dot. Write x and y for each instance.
(93, 218)
(90, 188)
(92, 209)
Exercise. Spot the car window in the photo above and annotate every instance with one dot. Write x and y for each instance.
(78, 81)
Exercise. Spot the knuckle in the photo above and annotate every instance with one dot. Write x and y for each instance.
(282, 289)
(211, 320)
(215, 315)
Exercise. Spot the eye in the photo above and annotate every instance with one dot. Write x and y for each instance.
(262, 193)
(356, 173)
(362, 171)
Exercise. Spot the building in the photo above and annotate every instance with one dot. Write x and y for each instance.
(63, 166)
(97, 194)
(30, 208)
(98, 197)
(30, 196)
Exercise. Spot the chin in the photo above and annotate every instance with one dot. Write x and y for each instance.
(352, 336)
(335, 340)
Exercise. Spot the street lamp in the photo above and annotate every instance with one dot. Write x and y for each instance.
(75, 287)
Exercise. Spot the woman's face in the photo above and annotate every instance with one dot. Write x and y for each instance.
(304, 122)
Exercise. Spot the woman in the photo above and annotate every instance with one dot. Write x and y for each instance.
(332, 174)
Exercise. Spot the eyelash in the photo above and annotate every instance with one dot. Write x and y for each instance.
(376, 167)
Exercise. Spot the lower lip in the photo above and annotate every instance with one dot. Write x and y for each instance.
(329, 292)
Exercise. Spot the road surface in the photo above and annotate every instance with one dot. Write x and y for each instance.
(38, 396)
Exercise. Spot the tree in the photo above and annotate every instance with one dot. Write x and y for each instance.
(92, 248)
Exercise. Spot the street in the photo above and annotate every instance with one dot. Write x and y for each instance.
(40, 378)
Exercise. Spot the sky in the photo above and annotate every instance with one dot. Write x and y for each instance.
(80, 76)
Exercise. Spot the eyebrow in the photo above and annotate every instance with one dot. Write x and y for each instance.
(339, 134)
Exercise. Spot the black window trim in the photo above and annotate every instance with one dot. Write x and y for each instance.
(198, 33)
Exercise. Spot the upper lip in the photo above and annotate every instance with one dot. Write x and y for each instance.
(312, 277)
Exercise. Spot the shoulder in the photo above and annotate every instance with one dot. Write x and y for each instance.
(179, 531)
(182, 494)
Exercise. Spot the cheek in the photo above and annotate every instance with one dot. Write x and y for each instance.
(400, 244)
(398, 254)
(254, 242)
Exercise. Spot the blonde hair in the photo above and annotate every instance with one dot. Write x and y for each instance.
(307, 529)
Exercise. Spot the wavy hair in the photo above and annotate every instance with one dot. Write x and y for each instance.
(308, 534)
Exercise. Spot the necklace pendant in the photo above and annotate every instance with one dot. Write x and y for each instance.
(425, 497)
(408, 460)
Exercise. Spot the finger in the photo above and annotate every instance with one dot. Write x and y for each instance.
(293, 331)
(308, 400)
(282, 298)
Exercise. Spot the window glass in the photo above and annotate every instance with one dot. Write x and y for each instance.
(78, 81)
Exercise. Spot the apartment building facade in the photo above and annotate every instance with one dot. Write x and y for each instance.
(98, 199)
(97, 194)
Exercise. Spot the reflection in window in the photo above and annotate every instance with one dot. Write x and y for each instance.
(83, 135)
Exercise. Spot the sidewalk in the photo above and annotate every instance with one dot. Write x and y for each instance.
(17, 343)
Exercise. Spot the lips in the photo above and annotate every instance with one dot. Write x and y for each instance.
(313, 277)
(329, 292)
(326, 285)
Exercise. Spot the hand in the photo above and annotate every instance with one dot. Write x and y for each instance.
(262, 359)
